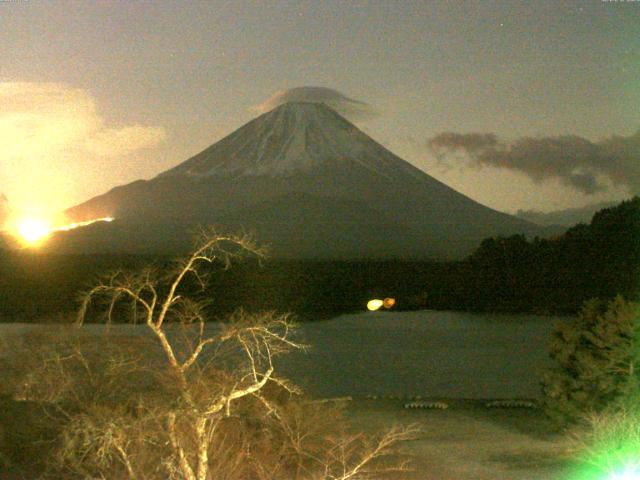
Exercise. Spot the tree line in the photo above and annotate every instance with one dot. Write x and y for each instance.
(504, 274)
(557, 275)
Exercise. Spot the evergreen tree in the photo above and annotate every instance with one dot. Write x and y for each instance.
(595, 360)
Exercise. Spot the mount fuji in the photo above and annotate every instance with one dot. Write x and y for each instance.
(307, 183)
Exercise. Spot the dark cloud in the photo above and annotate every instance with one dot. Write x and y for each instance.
(344, 105)
(577, 162)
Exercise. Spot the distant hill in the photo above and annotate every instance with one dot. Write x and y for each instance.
(308, 183)
(567, 217)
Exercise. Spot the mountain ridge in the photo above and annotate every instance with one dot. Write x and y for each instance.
(299, 158)
(566, 217)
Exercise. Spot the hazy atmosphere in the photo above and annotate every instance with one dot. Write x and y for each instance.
(328, 240)
(93, 95)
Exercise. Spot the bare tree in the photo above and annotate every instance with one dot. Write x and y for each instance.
(258, 340)
(189, 401)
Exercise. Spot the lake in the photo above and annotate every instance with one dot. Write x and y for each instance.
(404, 354)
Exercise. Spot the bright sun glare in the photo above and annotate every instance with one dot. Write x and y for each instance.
(33, 230)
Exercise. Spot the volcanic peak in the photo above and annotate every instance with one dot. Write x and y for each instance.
(293, 137)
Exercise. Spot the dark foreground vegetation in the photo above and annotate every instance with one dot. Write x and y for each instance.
(173, 402)
(547, 276)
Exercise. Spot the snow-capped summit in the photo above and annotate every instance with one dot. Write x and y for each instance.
(309, 184)
(293, 138)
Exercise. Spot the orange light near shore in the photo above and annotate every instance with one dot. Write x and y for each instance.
(376, 304)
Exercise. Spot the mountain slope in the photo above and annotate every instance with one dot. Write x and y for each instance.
(309, 183)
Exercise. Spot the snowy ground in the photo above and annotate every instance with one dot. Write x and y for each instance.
(405, 354)
(468, 441)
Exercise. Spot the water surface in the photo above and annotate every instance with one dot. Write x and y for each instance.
(428, 353)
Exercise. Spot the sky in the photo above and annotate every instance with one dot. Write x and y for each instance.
(519, 105)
